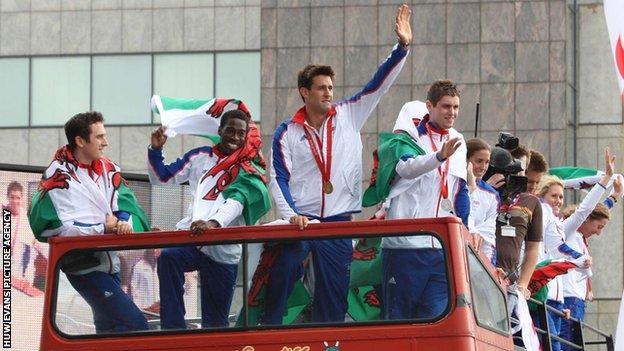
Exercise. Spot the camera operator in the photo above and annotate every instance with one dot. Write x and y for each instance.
(519, 221)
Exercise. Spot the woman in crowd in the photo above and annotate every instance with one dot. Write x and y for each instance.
(560, 235)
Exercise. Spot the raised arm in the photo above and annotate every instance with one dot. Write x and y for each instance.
(360, 105)
(571, 224)
(176, 172)
(402, 26)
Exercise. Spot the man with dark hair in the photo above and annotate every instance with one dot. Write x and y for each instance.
(305, 78)
(79, 126)
(82, 193)
(227, 184)
(317, 174)
(522, 154)
(535, 170)
(430, 181)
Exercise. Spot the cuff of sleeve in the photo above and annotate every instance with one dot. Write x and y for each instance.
(404, 48)
(438, 158)
(288, 215)
(227, 213)
(609, 202)
(122, 216)
(218, 219)
(152, 151)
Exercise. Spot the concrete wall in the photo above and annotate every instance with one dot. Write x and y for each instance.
(600, 125)
(509, 56)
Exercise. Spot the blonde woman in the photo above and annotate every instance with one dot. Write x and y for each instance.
(559, 233)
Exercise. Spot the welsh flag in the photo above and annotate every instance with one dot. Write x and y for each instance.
(391, 147)
(364, 303)
(614, 14)
(546, 271)
(363, 300)
(298, 301)
(577, 177)
(194, 116)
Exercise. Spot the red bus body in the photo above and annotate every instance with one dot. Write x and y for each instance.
(456, 331)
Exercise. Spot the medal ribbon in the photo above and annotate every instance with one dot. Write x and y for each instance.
(323, 166)
(443, 174)
(506, 208)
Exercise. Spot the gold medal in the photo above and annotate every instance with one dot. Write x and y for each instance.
(328, 188)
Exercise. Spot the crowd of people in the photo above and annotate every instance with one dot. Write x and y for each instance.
(424, 168)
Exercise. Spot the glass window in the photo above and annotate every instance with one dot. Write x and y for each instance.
(223, 296)
(60, 89)
(238, 76)
(14, 96)
(189, 76)
(122, 88)
(487, 298)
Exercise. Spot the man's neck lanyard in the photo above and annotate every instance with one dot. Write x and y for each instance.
(443, 174)
(324, 166)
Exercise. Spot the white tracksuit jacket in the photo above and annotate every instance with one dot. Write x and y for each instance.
(296, 182)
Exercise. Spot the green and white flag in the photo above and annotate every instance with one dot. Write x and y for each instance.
(578, 177)
(391, 147)
(193, 116)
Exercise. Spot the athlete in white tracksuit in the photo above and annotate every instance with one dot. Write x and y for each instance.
(317, 174)
(414, 281)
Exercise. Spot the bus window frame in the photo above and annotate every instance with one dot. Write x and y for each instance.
(470, 249)
(445, 246)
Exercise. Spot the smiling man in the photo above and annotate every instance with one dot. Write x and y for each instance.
(82, 193)
(429, 182)
(228, 187)
(317, 174)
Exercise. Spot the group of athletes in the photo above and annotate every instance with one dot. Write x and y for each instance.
(423, 169)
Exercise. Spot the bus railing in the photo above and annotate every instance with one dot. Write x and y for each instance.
(546, 336)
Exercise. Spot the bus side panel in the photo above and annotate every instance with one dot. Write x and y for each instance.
(490, 340)
(451, 343)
